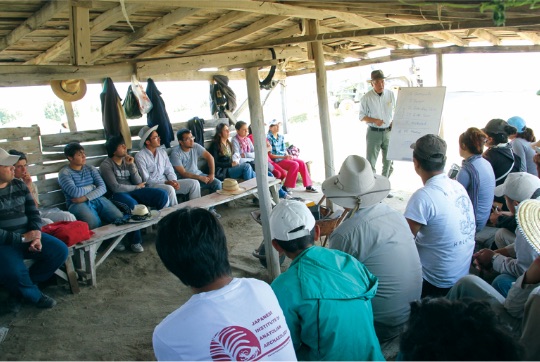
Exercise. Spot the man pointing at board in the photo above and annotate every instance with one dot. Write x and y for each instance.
(377, 109)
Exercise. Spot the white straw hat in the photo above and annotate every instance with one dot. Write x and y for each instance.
(528, 218)
(230, 187)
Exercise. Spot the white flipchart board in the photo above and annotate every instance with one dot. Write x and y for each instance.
(418, 112)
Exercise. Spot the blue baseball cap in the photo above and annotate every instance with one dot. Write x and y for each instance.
(517, 122)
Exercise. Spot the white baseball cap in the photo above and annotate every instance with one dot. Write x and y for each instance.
(518, 186)
(291, 215)
(6, 159)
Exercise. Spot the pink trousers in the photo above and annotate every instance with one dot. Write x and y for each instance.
(293, 167)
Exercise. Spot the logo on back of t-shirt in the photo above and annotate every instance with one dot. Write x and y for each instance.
(235, 343)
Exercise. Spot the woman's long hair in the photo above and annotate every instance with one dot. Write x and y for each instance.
(217, 138)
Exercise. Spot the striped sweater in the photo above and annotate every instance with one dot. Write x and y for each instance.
(86, 182)
(18, 213)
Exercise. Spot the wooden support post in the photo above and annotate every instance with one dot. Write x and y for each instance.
(322, 97)
(439, 70)
(261, 167)
(80, 35)
(72, 125)
(283, 93)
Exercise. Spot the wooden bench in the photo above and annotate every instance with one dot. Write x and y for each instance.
(46, 158)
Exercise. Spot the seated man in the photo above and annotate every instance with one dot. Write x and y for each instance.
(84, 190)
(379, 237)
(233, 319)
(184, 159)
(48, 216)
(444, 330)
(122, 178)
(156, 169)
(511, 261)
(21, 238)
(325, 294)
(441, 217)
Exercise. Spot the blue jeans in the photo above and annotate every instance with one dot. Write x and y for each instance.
(212, 186)
(96, 212)
(502, 283)
(20, 280)
(150, 197)
(243, 170)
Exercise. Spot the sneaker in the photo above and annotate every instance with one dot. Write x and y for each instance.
(311, 189)
(215, 213)
(45, 302)
(389, 196)
(120, 247)
(136, 248)
(286, 190)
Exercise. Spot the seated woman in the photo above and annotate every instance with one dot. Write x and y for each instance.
(273, 167)
(499, 153)
(222, 151)
(292, 165)
(244, 151)
(476, 174)
(521, 144)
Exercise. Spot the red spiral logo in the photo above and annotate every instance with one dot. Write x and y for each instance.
(235, 343)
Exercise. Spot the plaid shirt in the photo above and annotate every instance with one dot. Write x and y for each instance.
(277, 143)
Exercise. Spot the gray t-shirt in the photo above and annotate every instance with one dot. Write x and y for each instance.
(188, 160)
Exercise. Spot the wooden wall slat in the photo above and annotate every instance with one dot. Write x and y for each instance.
(19, 132)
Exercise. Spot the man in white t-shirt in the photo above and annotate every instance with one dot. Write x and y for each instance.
(441, 217)
(233, 319)
(184, 158)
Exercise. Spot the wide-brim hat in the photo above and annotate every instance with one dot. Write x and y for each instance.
(376, 74)
(144, 133)
(7, 159)
(70, 90)
(356, 185)
(528, 219)
(140, 213)
(230, 187)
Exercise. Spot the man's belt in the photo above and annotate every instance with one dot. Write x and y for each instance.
(379, 129)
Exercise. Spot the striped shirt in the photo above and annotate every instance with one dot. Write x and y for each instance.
(86, 182)
(18, 213)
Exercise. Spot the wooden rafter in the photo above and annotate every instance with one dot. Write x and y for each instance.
(33, 22)
(487, 36)
(530, 36)
(80, 35)
(179, 40)
(161, 23)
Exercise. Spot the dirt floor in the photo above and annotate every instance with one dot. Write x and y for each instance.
(115, 320)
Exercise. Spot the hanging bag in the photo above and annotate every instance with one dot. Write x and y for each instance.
(145, 104)
(131, 105)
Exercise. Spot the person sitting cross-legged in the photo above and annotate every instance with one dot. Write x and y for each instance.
(325, 294)
(21, 238)
(84, 190)
(122, 178)
(227, 318)
(184, 158)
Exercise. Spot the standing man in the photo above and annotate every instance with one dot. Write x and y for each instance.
(122, 179)
(21, 238)
(441, 217)
(156, 169)
(84, 190)
(325, 294)
(379, 237)
(184, 158)
(377, 110)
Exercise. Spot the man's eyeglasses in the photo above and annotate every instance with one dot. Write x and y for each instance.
(188, 139)
(154, 138)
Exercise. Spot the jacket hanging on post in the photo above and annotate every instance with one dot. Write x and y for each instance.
(112, 113)
(196, 127)
(222, 96)
(158, 115)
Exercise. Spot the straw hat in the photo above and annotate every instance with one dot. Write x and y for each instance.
(528, 218)
(230, 187)
(70, 90)
(356, 185)
(141, 213)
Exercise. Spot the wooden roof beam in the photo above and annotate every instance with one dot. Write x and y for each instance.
(285, 33)
(161, 23)
(239, 34)
(412, 40)
(39, 18)
(451, 38)
(487, 36)
(468, 50)
(172, 44)
(79, 27)
(100, 23)
(530, 36)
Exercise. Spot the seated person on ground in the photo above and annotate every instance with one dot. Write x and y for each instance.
(184, 159)
(122, 178)
(48, 216)
(325, 294)
(156, 169)
(21, 238)
(226, 164)
(444, 330)
(380, 238)
(511, 261)
(227, 318)
(292, 165)
(441, 217)
(521, 144)
(84, 190)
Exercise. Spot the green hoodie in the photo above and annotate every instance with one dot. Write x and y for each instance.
(325, 296)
